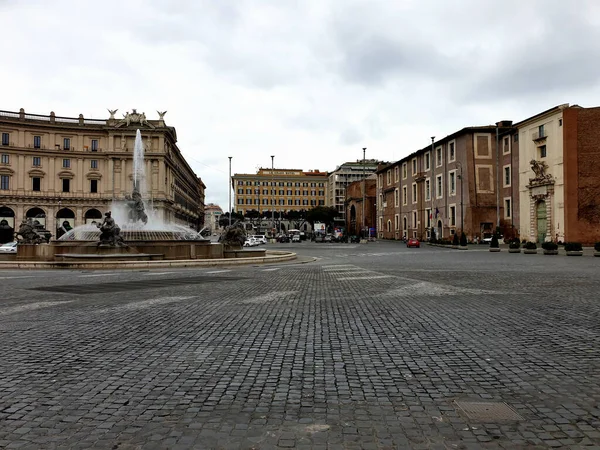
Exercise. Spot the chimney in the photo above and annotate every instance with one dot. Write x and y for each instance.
(504, 124)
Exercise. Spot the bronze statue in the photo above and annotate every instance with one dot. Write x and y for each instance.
(136, 208)
(234, 235)
(6, 232)
(110, 232)
(27, 233)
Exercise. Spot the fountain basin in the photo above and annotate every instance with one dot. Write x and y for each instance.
(168, 249)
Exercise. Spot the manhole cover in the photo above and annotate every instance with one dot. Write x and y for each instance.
(488, 411)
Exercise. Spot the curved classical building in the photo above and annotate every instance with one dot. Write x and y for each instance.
(63, 169)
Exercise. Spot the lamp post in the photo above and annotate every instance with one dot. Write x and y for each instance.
(497, 183)
(272, 187)
(364, 193)
(229, 187)
(432, 162)
(461, 197)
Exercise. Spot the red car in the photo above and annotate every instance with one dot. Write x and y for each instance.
(413, 242)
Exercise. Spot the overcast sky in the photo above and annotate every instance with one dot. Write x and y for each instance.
(311, 82)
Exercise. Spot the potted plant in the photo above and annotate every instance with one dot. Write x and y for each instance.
(530, 248)
(574, 248)
(597, 249)
(494, 244)
(550, 248)
(456, 242)
(514, 246)
(463, 242)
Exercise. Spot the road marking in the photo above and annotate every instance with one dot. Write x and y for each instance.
(341, 269)
(372, 277)
(97, 275)
(30, 307)
(159, 273)
(12, 278)
(271, 270)
(219, 271)
(333, 266)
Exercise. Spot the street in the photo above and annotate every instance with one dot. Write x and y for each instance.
(364, 346)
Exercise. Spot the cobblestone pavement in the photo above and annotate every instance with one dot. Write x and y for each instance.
(372, 346)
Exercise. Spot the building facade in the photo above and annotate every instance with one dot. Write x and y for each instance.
(341, 177)
(58, 169)
(279, 190)
(355, 193)
(558, 175)
(212, 214)
(452, 185)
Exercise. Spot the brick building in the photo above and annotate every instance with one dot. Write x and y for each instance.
(354, 205)
(457, 183)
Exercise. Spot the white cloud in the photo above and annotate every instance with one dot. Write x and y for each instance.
(310, 82)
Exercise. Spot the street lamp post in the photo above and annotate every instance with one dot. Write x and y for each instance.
(229, 187)
(497, 184)
(461, 197)
(364, 193)
(272, 187)
(432, 184)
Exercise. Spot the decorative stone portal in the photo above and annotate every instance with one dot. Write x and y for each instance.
(541, 199)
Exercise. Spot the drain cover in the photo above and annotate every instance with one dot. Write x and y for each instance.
(488, 411)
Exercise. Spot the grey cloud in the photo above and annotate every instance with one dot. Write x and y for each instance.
(350, 136)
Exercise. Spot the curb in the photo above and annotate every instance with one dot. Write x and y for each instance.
(274, 257)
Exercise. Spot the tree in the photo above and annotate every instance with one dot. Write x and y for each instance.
(455, 240)
(324, 214)
(224, 219)
(463, 240)
(297, 217)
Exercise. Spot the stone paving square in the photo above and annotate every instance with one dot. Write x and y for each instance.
(371, 346)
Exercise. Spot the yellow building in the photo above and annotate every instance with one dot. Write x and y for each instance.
(58, 169)
(279, 190)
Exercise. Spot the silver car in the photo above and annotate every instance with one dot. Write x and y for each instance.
(9, 247)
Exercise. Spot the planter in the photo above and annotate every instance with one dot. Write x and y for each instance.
(514, 250)
(462, 247)
(530, 251)
(494, 249)
(550, 252)
(597, 254)
(575, 253)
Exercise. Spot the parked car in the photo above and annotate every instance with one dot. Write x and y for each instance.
(296, 238)
(283, 239)
(488, 239)
(354, 239)
(261, 238)
(413, 242)
(9, 247)
(328, 238)
(251, 242)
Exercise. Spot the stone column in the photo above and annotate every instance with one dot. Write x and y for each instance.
(532, 219)
(108, 181)
(80, 175)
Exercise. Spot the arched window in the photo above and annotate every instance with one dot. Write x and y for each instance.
(38, 214)
(389, 226)
(92, 215)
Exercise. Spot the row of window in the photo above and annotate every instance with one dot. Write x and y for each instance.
(36, 184)
(452, 181)
(265, 201)
(37, 161)
(37, 142)
(280, 183)
(281, 192)
(431, 219)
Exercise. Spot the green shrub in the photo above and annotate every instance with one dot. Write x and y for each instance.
(550, 246)
(573, 246)
(597, 246)
(463, 240)
(515, 243)
(494, 242)
(455, 240)
(530, 245)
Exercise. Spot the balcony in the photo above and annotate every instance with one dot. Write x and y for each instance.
(539, 136)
